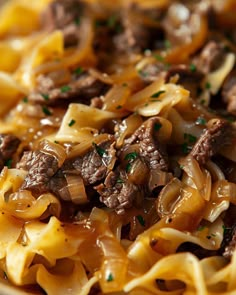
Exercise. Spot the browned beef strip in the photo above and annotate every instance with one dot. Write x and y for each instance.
(117, 192)
(41, 168)
(229, 93)
(8, 145)
(210, 58)
(93, 166)
(210, 142)
(231, 245)
(64, 15)
(81, 88)
(150, 149)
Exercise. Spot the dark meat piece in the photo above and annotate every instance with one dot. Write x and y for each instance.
(136, 35)
(117, 192)
(81, 88)
(8, 146)
(150, 149)
(197, 250)
(210, 142)
(229, 93)
(41, 168)
(96, 102)
(93, 166)
(210, 58)
(227, 166)
(151, 72)
(230, 241)
(64, 15)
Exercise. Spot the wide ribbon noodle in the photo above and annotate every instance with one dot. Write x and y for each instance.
(118, 147)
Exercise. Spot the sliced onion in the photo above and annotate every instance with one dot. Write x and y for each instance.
(53, 149)
(76, 188)
(139, 172)
(215, 171)
(158, 178)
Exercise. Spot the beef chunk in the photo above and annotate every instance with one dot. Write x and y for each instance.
(197, 250)
(210, 142)
(8, 146)
(229, 93)
(210, 58)
(64, 15)
(41, 168)
(150, 149)
(117, 192)
(81, 88)
(229, 241)
(94, 165)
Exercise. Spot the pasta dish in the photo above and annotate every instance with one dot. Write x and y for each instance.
(118, 146)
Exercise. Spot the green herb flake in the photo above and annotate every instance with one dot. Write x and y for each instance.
(181, 166)
(128, 167)
(142, 73)
(46, 111)
(99, 150)
(208, 237)
(140, 220)
(65, 88)
(201, 121)
(71, 123)
(119, 107)
(192, 68)
(45, 96)
(202, 101)
(55, 141)
(157, 126)
(111, 21)
(119, 180)
(79, 70)
(208, 85)
(8, 163)
(158, 57)
(157, 94)
(110, 278)
(167, 44)
(213, 235)
(185, 148)
(77, 21)
(131, 156)
(124, 84)
(25, 100)
(201, 228)
(190, 138)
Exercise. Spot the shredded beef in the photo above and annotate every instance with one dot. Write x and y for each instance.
(93, 166)
(117, 192)
(81, 89)
(210, 142)
(41, 168)
(64, 15)
(210, 58)
(8, 146)
(150, 149)
(229, 93)
(230, 240)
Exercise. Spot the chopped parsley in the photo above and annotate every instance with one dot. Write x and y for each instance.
(99, 150)
(65, 88)
(25, 99)
(71, 123)
(167, 44)
(192, 68)
(185, 148)
(79, 70)
(201, 227)
(111, 21)
(201, 121)
(131, 156)
(77, 21)
(208, 85)
(124, 84)
(119, 180)
(110, 278)
(181, 166)
(8, 163)
(128, 167)
(208, 237)
(45, 96)
(119, 107)
(158, 57)
(142, 73)
(157, 94)
(157, 126)
(46, 111)
(140, 220)
(190, 138)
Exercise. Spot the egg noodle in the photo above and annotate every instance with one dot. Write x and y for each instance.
(170, 235)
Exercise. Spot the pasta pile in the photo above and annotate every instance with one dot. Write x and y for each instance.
(118, 146)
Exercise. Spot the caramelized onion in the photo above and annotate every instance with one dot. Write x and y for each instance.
(139, 172)
(53, 149)
(76, 189)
